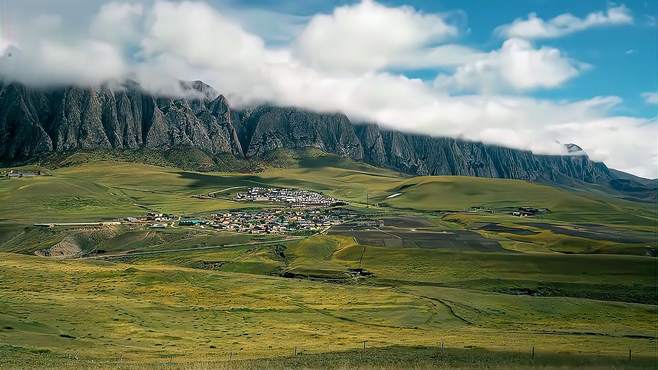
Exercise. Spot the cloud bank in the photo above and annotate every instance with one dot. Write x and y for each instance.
(343, 61)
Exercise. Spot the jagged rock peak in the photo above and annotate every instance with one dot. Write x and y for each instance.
(574, 149)
(205, 91)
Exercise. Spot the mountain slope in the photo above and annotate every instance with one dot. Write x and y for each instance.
(266, 129)
(36, 122)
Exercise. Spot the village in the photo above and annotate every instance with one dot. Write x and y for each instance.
(265, 221)
(278, 221)
(300, 211)
(293, 197)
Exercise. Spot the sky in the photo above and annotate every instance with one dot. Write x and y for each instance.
(526, 74)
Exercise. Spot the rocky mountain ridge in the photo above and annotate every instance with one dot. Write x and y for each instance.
(267, 128)
(36, 122)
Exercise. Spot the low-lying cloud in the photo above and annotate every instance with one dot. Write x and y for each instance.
(342, 61)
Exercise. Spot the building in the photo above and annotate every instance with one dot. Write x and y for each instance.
(191, 222)
(18, 173)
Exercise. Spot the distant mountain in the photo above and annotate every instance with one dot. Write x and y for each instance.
(38, 122)
(634, 186)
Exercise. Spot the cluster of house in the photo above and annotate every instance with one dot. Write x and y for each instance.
(480, 210)
(529, 211)
(293, 197)
(266, 221)
(21, 173)
(273, 221)
(155, 219)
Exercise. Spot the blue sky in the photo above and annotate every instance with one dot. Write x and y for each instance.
(624, 59)
(526, 74)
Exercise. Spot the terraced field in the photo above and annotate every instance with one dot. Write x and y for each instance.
(442, 262)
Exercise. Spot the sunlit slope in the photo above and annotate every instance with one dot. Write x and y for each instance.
(256, 300)
(104, 190)
(457, 193)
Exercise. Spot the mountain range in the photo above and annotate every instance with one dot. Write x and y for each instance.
(36, 122)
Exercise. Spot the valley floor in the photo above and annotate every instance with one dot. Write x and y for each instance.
(429, 281)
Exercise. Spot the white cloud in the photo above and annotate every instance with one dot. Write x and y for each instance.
(516, 66)
(117, 22)
(369, 36)
(650, 97)
(191, 40)
(45, 53)
(536, 28)
(272, 26)
(616, 141)
(202, 35)
(448, 55)
(53, 62)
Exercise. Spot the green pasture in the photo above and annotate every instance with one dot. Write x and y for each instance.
(192, 297)
(147, 313)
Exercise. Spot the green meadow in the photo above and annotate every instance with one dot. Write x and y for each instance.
(449, 279)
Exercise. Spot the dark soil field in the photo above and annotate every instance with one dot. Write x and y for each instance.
(406, 221)
(509, 230)
(599, 232)
(462, 240)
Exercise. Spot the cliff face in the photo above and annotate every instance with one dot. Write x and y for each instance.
(426, 155)
(35, 122)
(269, 128)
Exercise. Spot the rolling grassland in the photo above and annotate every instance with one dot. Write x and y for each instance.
(444, 261)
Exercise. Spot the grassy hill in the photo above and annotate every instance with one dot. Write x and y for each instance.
(435, 193)
(577, 283)
(105, 190)
(111, 188)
